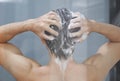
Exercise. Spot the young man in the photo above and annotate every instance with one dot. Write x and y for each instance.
(94, 68)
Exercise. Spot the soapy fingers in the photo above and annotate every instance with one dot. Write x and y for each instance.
(80, 22)
(43, 23)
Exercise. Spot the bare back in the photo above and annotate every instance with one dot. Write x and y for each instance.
(94, 68)
(52, 72)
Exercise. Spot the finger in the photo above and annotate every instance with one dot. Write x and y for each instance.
(82, 37)
(54, 17)
(74, 25)
(76, 34)
(46, 37)
(79, 15)
(75, 20)
(74, 29)
(56, 24)
(76, 40)
(76, 14)
(53, 22)
(52, 31)
(52, 13)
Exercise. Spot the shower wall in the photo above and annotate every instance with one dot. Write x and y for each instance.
(31, 45)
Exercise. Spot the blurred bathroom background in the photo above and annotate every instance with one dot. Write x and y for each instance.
(19, 10)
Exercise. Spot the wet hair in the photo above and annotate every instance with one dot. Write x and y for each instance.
(62, 46)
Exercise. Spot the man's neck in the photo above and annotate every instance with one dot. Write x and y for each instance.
(62, 63)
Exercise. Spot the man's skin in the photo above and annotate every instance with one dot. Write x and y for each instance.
(94, 68)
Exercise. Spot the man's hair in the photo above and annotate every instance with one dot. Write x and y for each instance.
(62, 46)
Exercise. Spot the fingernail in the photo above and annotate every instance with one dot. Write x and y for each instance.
(68, 27)
(52, 38)
(57, 34)
(71, 24)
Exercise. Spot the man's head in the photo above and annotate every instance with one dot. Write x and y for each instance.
(62, 46)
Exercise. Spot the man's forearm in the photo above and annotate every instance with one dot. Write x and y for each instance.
(10, 30)
(110, 31)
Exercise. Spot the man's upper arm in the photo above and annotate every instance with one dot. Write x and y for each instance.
(13, 61)
(107, 56)
(110, 53)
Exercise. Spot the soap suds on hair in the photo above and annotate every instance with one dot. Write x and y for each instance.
(63, 46)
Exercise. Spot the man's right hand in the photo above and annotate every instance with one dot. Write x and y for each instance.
(79, 21)
(42, 24)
